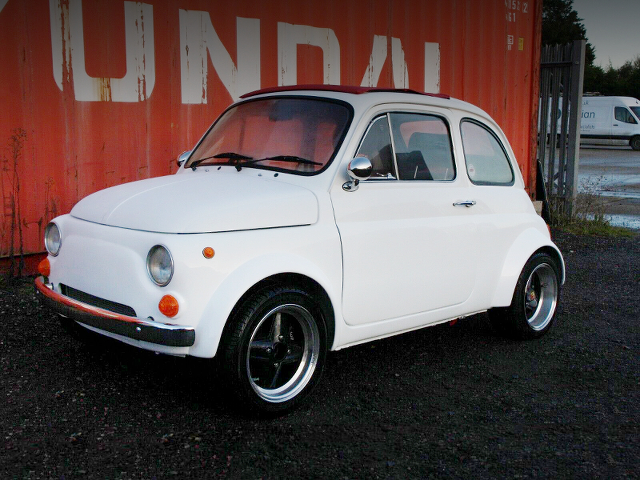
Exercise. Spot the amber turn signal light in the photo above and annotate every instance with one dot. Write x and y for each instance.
(168, 306)
(208, 252)
(44, 267)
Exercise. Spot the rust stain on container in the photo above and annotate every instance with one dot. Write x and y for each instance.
(118, 99)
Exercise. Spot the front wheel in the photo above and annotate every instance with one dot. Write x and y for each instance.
(533, 307)
(274, 348)
(635, 142)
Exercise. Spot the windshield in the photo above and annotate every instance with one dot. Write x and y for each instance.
(294, 135)
(636, 110)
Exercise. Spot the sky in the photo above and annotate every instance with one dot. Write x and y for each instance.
(613, 28)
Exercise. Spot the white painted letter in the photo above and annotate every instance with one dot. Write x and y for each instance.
(376, 62)
(377, 59)
(432, 67)
(290, 36)
(400, 71)
(67, 49)
(197, 37)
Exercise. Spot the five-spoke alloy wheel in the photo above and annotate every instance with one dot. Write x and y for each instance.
(274, 349)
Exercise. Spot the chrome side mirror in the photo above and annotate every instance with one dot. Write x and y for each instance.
(359, 169)
(183, 157)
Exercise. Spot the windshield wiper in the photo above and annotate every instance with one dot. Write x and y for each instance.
(230, 155)
(279, 158)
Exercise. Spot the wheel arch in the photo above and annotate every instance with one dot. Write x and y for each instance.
(237, 288)
(307, 284)
(529, 243)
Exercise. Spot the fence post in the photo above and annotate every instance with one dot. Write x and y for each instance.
(575, 115)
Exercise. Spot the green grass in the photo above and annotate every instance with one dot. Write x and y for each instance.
(601, 228)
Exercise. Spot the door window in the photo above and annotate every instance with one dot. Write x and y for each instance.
(486, 158)
(422, 146)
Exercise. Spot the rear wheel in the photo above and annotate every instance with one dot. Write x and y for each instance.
(274, 348)
(533, 306)
(635, 142)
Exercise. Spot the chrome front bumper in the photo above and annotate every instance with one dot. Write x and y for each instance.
(145, 330)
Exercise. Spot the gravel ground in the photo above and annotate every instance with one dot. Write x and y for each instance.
(448, 401)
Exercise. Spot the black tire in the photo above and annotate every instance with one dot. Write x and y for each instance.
(635, 142)
(533, 306)
(273, 350)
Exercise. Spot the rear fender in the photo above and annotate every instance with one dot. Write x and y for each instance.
(529, 242)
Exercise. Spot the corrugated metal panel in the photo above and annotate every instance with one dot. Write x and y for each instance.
(104, 92)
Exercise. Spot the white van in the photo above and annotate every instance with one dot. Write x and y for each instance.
(610, 121)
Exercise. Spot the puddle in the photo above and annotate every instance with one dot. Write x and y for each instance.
(627, 221)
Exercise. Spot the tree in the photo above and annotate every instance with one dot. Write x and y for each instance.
(561, 25)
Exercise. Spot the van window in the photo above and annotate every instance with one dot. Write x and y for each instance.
(624, 115)
(636, 110)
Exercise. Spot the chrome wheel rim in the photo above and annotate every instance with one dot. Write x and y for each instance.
(283, 353)
(541, 296)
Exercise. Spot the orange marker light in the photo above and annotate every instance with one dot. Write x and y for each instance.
(168, 306)
(208, 252)
(44, 267)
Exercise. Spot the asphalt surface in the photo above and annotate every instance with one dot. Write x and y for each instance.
(443, 402)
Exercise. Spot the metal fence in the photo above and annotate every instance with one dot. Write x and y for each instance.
(561, 78)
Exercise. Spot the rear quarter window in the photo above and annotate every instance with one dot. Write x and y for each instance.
(485, 156)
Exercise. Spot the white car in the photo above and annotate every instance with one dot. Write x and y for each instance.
(309, 219)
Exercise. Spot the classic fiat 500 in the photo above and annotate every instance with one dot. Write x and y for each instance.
(309, 219)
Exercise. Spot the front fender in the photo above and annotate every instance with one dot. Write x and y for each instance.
(237, 283)
(527, 243)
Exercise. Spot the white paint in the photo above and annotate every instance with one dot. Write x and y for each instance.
(400, 70)
(67, 49)
(432, 67)
(290, 36)
(378, 56)
(376, 62)
(198, 38)
(199, 42)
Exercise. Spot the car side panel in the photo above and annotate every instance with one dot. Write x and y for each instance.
(525, 245)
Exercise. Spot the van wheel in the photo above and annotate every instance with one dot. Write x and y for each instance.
(635, 142)
(273, 350)
(533, 307)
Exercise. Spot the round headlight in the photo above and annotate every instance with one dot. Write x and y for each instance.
(160, 265)
(52, 239)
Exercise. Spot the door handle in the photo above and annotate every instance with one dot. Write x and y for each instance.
(465, 203)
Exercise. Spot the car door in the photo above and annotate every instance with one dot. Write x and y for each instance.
(407, 236)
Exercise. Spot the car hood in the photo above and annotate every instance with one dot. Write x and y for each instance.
(200, 202)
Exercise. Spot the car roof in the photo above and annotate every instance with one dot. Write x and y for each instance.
(340, 88)
(368, 96)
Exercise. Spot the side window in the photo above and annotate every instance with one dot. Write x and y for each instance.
(624, 115)
(376, 146)
(487, 162)
(423, 147)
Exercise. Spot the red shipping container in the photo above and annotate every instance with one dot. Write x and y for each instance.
(98, 93)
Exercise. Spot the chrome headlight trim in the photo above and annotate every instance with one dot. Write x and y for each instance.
(52, 239)
(160, 265)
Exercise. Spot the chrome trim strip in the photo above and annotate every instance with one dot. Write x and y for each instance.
(145, 330)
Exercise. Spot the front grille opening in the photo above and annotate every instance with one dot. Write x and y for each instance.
(97, 301)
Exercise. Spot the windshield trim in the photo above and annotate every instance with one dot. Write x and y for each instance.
(347, 127)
